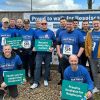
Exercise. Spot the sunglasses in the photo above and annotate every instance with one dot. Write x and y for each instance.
(43, 23)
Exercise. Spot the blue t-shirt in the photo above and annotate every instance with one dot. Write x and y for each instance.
(70, 41)
(5, 34)
(8, 64)
(95, 41)
(28, 37)
(80, 75)
(45, 34)
(59, 30)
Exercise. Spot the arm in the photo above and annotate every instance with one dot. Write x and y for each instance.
(66, 76)
(89, 81)
(58, 51)
(58, 47)
(19, 63)
(81, 44)
(88, 44)
(80, 51)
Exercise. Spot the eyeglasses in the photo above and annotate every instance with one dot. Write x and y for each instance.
(43, 23)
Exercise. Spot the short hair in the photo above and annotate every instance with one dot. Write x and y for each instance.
(62, 18)
(74, 19)
(85, 21)
(7, 45)
(69, 20)
(96, 19)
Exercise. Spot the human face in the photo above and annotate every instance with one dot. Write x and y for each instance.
(73, 60)
(5, 25)
(69, 26)
(96, 25)
(19, 23)
(12, 22)
(85, 25)
(38, 24)
(75, 24)
(26, 26)
(63, 23)
(7, 51)
(44, 25)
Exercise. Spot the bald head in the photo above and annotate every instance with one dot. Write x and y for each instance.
(73, 60)
(73, 57)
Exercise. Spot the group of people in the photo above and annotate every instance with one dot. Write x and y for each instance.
(73, 45)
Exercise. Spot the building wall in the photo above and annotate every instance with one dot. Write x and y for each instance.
(19, 14)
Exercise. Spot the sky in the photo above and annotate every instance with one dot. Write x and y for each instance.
(25, 5)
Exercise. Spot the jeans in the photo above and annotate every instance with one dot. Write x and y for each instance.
(63, 63)
(46, 57)
(96, 75)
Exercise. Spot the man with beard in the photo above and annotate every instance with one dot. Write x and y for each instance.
(69, 42)
(78, 73)
(92, 50)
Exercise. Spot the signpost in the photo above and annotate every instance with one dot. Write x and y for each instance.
(14, 77)
(73, 90)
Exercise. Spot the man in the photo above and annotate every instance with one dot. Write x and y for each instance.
(43, 33)
(85, 29)
(19, 24)
(62, 27)
(69, 42)
(78, 73)
(9, 61)
(12, 24)
(92, 49)
(76, 24)
(38, 25)
(27, 55)
(5, 32)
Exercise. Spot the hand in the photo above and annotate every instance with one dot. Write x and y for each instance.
(60, 55)
(89, 94)
(51, 49)
(3, 85)
(15, 48)
(33, 49)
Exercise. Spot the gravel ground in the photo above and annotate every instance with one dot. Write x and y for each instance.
(52, 92)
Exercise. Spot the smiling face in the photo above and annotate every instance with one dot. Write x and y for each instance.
(7, 51)
(63, 22)
(73, 60)
(69, 26)
(85, 25)
(96, 25)
(19, 23)
(44, 25)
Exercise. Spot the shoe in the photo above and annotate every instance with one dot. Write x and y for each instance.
(95, 90)
(31, 81)
(35, 85)
(60, 82)
(45, 83)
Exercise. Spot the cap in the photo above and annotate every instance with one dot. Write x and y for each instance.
(26, 21)
(5, 20)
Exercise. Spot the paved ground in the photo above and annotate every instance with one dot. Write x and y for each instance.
(52, 92)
